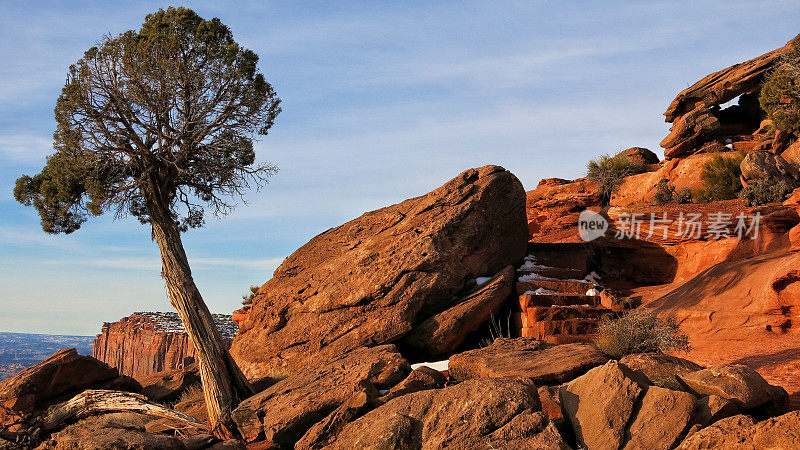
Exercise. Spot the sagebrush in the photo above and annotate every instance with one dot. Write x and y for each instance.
(763, 192)
(640, 332)
(609, 172)
(721, 179)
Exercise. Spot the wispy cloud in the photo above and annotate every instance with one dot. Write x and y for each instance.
(25, 148)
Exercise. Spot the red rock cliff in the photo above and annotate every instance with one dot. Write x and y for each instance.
(149, 342)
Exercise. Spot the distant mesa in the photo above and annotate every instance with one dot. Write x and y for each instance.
(148, 342)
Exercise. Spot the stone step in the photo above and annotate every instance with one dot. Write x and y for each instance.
(527, 301)
(560, 286)
(550, 313)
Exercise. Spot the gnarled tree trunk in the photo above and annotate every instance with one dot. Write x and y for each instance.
(224, 384)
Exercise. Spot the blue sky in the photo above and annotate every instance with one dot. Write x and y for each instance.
(381, 101)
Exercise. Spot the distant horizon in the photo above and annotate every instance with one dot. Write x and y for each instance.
(380, 103)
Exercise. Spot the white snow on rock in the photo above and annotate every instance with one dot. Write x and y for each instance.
(540, 291)
(593, 278)
(535, 277)
(593, 292)
(441, 366)
(482, 280)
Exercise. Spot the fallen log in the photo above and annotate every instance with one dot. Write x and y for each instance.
(99, 401)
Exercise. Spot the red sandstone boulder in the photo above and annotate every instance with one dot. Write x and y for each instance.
(167, 386)
(690, 131)
(420, 379)
(743, 432)
(375, 278)
(284, 412)
(737, 383)
(639, 155)
(712, 408)
(769, 167)
(56, 379)
(599, 404)
(324, 432)
(111, 431)
(661, 369)
(447, 330)
(479, 414)
(525, 357)
(663, 418)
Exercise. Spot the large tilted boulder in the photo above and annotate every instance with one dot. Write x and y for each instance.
(56, 379)
(766, 166)
(447, 330)
(661, 369)
(600, 403)
(281, 414)
(375, 278)
(526, 357)
(663, 418)
(737, 383)
(482, 414)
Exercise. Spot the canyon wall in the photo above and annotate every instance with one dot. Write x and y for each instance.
(149, 342)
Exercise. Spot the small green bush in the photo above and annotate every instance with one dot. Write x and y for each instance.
(780, 95)
(721, 179)
(639, 332)
(683, 195)
(665, 193)
(763, 192)
(609, 172)
(247, 299)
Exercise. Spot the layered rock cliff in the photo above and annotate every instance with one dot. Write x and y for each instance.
(150, 342)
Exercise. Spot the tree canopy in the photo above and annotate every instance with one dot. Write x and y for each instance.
(167, 114)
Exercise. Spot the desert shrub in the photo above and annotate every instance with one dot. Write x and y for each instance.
(720, 179)
(780, 95)
(609, 172)
(763, 192)
(665, 193)
(247, 299)
(639, 332)
(683, 195)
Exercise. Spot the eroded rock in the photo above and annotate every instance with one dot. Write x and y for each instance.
(737, 383)
(526, 357)
(485, 413)
(662, 419)
(447, 330)
(375, 278)
(599, 404)
(285, 411)
(661, 369)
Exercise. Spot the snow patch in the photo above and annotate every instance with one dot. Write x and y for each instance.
(441, 366)
(541, 290)
(535, 277)
(593, 292)
(593, 278)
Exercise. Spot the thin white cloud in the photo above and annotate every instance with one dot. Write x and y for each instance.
(25, 148)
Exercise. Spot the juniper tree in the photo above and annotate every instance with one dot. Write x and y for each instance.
(159, 124)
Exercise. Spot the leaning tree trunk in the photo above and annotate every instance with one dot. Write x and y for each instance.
(224, 384)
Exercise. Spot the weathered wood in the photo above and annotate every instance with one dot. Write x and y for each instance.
(99, 401)
(224, 384)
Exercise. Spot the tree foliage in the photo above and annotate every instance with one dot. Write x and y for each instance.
(780, 95)
(164, 115)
